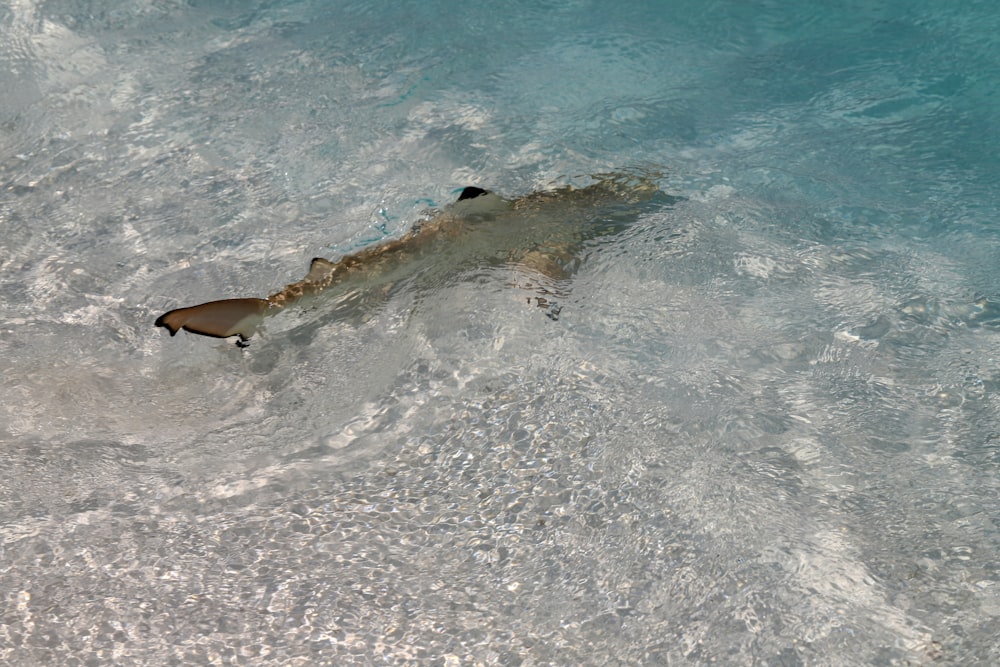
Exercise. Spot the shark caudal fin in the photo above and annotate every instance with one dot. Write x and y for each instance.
(218, 319)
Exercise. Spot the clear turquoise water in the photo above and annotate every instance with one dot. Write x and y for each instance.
(764, 430)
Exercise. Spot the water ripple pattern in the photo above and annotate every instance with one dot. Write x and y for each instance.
(761, 426)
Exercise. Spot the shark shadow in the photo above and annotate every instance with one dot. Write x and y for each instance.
(541, 234)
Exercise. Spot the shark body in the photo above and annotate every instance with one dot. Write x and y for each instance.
(542, 232)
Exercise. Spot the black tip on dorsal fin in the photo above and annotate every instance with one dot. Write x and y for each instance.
(320, 269)
(471, 192)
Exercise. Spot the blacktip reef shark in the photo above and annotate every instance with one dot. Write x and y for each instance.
(542, 233)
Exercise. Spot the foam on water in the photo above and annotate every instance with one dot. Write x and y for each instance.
(763, 430)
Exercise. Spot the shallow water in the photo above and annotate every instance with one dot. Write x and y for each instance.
(763, 430)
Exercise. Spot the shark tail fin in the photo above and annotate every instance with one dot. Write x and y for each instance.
(218, 319)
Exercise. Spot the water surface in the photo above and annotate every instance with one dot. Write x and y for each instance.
(764, 429)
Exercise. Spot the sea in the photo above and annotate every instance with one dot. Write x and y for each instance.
(764, 428)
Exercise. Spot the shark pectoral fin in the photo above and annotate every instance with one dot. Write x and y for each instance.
(556, 265)
(219, 319)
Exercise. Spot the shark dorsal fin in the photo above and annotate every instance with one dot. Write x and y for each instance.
(319, 270)
(471, 192)
(476, 201)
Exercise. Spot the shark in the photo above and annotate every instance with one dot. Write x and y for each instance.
(542, 233)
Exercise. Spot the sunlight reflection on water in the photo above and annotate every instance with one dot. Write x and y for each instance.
(763, 428)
